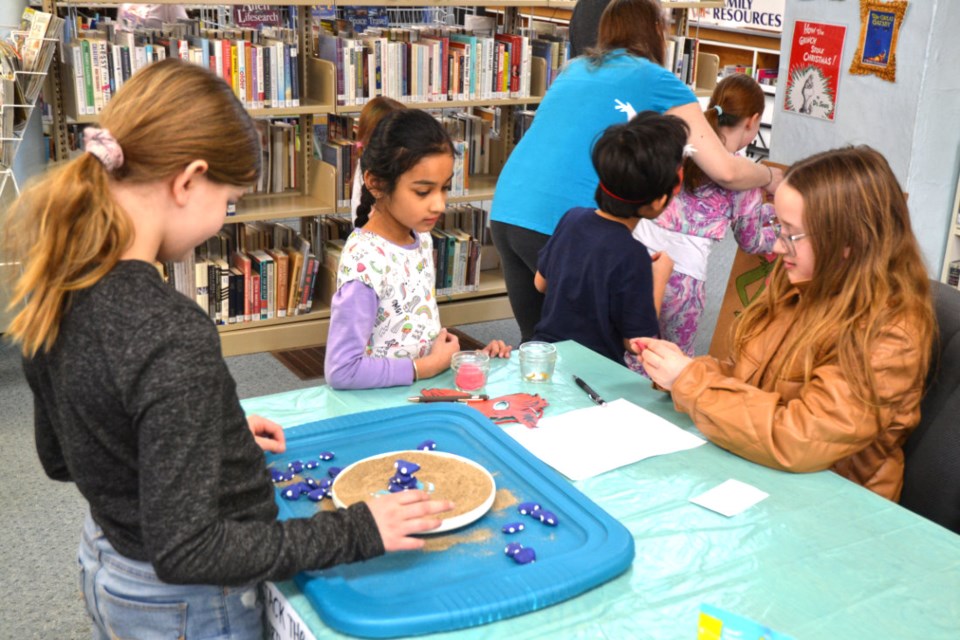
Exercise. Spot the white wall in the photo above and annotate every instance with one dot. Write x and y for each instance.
(914, 122)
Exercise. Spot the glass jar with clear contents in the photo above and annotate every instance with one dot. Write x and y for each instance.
(470, 370)
(537, 361)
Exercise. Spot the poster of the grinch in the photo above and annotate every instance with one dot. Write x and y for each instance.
(814, 73)
(879, 27)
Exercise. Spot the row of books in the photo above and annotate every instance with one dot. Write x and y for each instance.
(248, 272)
(263, 73)
(681, 58)
(335, 143)
(261, 270)
(764, 76)
(280, 149)
(426, 64)
(458, 241)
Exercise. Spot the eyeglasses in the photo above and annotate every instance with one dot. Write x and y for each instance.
(788, 240)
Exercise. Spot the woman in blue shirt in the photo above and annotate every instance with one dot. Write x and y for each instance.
(549, 172)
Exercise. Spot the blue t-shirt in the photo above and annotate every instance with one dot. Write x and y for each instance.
(599, 285)
(550, 171)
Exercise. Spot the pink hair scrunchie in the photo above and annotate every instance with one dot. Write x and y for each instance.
(104, 148)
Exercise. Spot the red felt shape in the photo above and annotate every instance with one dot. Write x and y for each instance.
(524, 408)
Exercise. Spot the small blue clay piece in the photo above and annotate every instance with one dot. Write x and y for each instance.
(525, 556)
(296, 466)
(326, 483)
(406, 468)
(276, 475)
(317, 495)
(310, 482)
(326, 455)
(427, 445)
(396, 488)
(512, 527)
(311, 464)
(292, 492)
(408, 482)
(548, 518)
(287, 476)
(333, 471)
(528, 508)
(513, 548)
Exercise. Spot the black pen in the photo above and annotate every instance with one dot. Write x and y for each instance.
(590, 392)
(463, 398)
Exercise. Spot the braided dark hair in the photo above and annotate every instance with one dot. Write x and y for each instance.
(399, 141)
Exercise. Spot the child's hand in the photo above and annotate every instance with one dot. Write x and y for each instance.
(637, 345)
(267, 433)
(444, 346)
(776, 177)
(662, 262)
(403, 513)
(498, 349)
(663, 361)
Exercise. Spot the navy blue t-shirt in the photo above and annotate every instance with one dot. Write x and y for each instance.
(599, 285)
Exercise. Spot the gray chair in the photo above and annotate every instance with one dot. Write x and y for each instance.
(931, 482)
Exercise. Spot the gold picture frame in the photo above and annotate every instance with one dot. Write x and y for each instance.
(879, 31)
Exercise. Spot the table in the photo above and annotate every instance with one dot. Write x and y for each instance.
(820, 558)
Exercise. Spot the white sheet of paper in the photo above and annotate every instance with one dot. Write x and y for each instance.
(730, 498)
(584, 443)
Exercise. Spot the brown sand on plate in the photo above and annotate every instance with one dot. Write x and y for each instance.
(452, 479)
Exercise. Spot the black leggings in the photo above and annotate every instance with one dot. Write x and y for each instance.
(518, 248)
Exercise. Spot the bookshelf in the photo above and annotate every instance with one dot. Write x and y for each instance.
(316, 197)
(952, 252)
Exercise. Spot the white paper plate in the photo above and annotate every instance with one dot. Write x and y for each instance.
(448, 523)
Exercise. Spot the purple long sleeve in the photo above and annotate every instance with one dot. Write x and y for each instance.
(347, 366)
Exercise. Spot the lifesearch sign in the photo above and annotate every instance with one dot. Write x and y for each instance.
(766, 15)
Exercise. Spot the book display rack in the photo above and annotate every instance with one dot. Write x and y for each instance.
(26, 52)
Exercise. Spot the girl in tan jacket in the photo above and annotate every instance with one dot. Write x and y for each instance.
(828, 364)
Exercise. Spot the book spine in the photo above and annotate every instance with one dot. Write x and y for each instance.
(255, 310)
(95, 76)
(254, 79)
(226, 61)
(269, 79)
(314, 270)
(287, 81)
(294, 76)
(306, 294)
(223, 291)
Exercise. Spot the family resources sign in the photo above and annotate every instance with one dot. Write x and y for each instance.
(766, 15)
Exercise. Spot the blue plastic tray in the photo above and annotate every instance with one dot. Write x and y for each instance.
(471, 583)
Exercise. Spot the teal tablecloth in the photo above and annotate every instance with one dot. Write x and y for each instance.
(820, 558)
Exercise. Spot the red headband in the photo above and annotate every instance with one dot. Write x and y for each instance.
(616, 197)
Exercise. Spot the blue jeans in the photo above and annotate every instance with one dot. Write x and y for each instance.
(126, 599)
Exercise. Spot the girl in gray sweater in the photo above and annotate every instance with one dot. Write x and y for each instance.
(133, 402)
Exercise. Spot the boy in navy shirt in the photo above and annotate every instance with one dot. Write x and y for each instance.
(602, 287)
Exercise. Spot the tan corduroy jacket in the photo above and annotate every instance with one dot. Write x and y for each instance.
(796, 426)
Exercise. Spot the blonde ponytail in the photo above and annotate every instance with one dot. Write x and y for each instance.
(68, 233)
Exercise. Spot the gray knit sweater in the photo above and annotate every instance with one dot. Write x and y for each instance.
(135, 404)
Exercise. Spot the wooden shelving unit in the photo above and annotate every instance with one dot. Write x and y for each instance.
(317, 198)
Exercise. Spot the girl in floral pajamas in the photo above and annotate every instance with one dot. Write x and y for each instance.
(700, 215)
